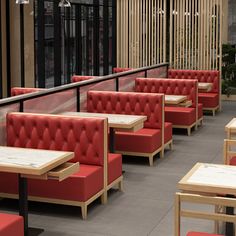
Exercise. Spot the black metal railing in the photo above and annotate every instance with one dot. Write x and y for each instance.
(116, 76)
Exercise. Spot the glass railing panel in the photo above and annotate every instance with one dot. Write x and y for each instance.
(160, 72)
(3, 112)
(126, 83)
(109, 85)
(53, 104)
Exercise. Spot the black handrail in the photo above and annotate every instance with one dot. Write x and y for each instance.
(25, 97)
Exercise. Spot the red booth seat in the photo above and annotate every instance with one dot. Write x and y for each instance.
(120, 69)
(145, 142)
(202, 234)
(15, 91)
(180, 117)
(79, 78)
(142, 141)
(11, 225)
(168, 134)
(210, 100)
(86, 137)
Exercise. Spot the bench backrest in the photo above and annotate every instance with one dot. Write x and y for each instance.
(120, 69)
(207, 76)
(79, 78)
(15, 91)
(168, 86)
(86, 137)
(129, 103)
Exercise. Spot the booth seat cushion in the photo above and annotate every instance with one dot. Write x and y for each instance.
(200, 110)
(167, 132)
(233, 161)
(180, 115)
(114, 166)
(15, 91)
(11, 225)
(78, 187)
(120, 69)
(144, 141)
(79, 78)
(208, 100)
(202, 234)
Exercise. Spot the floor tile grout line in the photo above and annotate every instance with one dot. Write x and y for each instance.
(158, 223)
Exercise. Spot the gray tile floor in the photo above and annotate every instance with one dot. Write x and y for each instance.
(146, 206)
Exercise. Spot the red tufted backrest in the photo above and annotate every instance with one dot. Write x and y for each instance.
(168, 86)
(120, 69)
(19, 90)
(207, 76)
(129, 103)
(79, 78)
(83, 136)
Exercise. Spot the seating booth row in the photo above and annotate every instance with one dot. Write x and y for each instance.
(210, 99)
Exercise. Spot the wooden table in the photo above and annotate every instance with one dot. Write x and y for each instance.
(205, 87)
(177, 100)
(212, 179)
(230, 128)
(34, 163)
(116, 122)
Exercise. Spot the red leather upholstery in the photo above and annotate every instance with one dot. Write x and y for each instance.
(128, 103)
(114, 167)
(146, 140)
(83, 136)
(11, 225)
(208, 76)
(185, 116)
(168, 86)
(233, 161)
(78, 187)
(15, 91)
(202, 234)
(79, 78)
(143, 141)
(120, 69)
(167, 132)
(200, 110)
(209, 100)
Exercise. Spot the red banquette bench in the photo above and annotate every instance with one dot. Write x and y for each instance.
(180, 117)
(15, 91)
(147, 141)
(211, 99)
(86, 137)
(120, 69)
(79, 78)
(11, 225)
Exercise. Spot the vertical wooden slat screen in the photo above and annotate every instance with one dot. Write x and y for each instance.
(141, 32)
(196, 34)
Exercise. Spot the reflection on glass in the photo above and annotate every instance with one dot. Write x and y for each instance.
(64, 3)
(22, 1)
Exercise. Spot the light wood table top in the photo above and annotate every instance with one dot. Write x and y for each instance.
(206, 87)
(210, 179)
(174, 99)
(230, 128)
(119, 122)
(31, 161)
